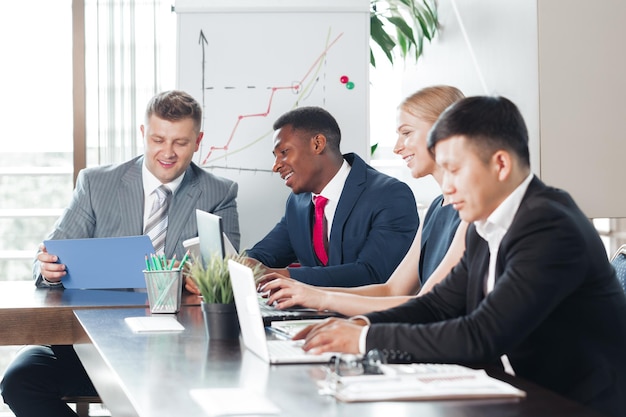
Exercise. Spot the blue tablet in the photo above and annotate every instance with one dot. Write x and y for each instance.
(99, 263)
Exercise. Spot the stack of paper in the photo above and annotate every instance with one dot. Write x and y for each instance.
(420, 382)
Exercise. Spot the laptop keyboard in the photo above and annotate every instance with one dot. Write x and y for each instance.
(285, 349)
(267, 310)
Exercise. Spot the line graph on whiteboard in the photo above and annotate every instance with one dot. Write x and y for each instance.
(244, 94)
(247, 69)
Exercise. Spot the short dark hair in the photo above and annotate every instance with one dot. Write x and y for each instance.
(489, 123)
(175, 105)
(311, 121)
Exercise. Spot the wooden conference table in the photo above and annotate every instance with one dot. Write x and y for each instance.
(153, 374)
(30, 315)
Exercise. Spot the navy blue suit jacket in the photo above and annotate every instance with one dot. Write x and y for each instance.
(373, 228)
(556, 310)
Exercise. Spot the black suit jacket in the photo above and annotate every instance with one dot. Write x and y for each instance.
(557, 310)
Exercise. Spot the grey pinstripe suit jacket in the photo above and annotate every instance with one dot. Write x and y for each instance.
(108, 201)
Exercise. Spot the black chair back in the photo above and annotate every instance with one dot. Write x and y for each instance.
(619, 263)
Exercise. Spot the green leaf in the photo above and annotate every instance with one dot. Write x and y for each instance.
(381, 37)
(402, 23)
(403, 27)
(424, 27)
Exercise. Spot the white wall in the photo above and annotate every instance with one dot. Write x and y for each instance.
(486, 47)
(483, 47)
(582, 67)
(563, 62)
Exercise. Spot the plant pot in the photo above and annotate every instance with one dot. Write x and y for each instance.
(220, 321)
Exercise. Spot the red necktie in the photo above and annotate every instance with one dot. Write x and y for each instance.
(318, 229)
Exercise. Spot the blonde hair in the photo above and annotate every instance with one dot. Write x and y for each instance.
(428, 103)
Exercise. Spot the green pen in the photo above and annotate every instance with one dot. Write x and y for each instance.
(147, 264)
(171, 265)
(157, 263)
(182, 262)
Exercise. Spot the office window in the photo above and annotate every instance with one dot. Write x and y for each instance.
(36, 119)
(130, 55)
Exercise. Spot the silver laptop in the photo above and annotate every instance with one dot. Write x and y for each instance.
(209, 235)
(211, 238)
(252, 328)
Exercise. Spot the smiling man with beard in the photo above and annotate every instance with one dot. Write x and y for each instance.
(370, 219)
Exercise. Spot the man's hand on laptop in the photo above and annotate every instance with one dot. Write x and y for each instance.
(252, 263)
(289, 293)
(50, 271)
(331, 335)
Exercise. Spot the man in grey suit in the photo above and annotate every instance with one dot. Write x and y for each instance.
(534, 290)
(114, 201)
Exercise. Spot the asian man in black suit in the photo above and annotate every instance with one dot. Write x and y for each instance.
(534, 290)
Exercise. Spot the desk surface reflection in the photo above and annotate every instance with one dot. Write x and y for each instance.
(152, 375)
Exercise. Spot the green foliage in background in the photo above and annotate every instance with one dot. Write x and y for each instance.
(402, 25)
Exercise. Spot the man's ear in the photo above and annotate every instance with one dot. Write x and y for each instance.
(198, 140)
(502, 163)
(319, 143)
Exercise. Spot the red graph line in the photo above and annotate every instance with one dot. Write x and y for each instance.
(294, 88)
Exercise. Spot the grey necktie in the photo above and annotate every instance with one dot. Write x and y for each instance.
(156, 226)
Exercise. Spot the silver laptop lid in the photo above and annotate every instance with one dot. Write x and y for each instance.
(210, 235)
(248, 311)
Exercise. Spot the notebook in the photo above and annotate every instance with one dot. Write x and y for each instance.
(420, 381)
(252, 328)
(103, 263)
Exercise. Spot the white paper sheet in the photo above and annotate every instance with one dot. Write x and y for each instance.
(162, 323)
(233, 401)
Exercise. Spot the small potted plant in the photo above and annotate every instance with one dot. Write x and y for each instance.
(218, 302)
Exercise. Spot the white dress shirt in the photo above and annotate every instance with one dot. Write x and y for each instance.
(332, 192)
(493, 230)
(151, 183)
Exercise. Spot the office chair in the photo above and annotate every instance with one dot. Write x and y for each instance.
(619, 263)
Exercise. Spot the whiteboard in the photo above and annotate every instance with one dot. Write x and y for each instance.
(248, 63)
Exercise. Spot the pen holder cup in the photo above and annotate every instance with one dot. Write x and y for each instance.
(164, 290)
